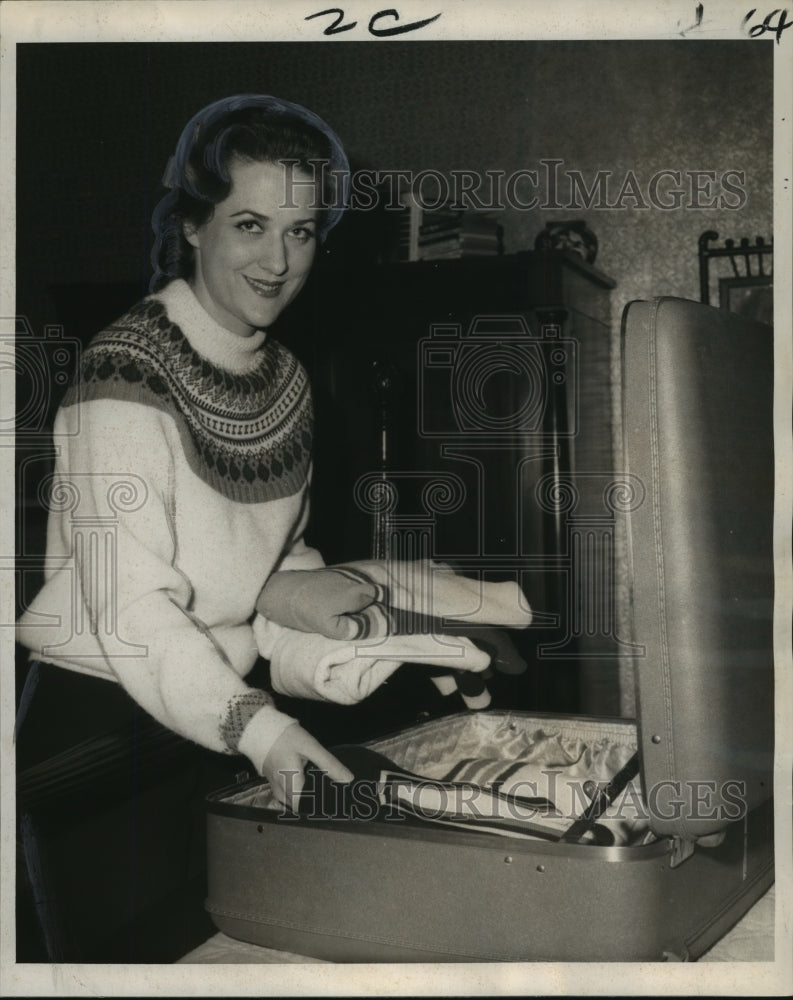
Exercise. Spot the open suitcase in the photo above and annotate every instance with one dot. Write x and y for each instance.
(694, 843)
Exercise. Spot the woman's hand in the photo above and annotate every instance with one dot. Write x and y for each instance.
(283, 765)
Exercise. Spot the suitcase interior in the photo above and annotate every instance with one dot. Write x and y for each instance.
(561, 755)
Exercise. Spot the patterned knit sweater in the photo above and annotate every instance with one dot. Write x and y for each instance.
(183, 459)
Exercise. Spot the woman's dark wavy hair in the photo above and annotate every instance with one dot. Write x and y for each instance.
(249, 127)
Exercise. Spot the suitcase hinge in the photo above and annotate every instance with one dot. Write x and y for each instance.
(682, 849)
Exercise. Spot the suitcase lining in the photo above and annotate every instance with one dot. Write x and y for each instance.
(548, 755)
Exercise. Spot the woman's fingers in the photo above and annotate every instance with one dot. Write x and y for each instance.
(294, 788)
(313, 751)
(286, 763)
(325, 761)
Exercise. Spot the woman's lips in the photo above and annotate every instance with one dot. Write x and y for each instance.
(267, 289)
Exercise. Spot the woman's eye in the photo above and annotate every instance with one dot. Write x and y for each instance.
(249, 226)
(303, 233)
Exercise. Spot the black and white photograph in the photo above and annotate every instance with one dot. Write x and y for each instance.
(396, 428)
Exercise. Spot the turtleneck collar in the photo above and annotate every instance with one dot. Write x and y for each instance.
(206, 336)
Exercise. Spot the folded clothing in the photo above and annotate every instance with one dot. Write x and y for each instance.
(378, 597)
(307, 665)
(381, 790)
(573, 787)
(337, 633)
(330, 601)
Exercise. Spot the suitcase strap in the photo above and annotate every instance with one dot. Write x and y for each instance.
(602, 800)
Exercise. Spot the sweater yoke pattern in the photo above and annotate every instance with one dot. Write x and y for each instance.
(246, 435)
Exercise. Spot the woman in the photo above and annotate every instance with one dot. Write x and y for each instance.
(187, 434)
(178, 506)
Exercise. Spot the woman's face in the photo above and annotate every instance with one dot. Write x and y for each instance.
(254, 255)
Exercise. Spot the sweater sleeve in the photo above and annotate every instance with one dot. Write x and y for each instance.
(160, 652)
(297, 554)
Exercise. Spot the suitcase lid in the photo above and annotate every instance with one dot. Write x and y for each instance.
(698, 430)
